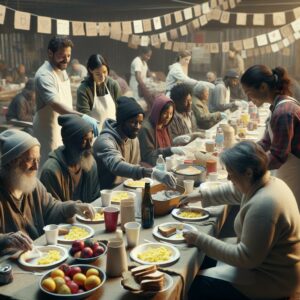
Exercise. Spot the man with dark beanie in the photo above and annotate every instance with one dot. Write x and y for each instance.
(117, 150)
(71, 171)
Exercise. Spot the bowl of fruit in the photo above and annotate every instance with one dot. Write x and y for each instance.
(87, 251)
(72, 281)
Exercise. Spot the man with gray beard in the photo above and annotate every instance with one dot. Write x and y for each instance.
(25, 205)
(71, 171)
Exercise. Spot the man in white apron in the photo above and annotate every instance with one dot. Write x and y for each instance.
(53, 96)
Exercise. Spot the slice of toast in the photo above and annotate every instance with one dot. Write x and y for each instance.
(129, 283)
(152, 284)
(167, 231)
(152, 276)
(143, 270)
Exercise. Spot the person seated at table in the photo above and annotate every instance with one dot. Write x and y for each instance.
(183, 127)
(77, 69)
(25, 205)
(204, 118)
(154, 136)
(22, 105)
(117, 149)
(211, 76)
(19, 74)
(71, 171)
(98, 92)
(264, 263)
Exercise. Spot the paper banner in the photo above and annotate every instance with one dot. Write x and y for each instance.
(241, 19)
(132, 43)
(138, 26)
(145, 40)
(274, 36)
(163, 37)
(206, 48)
(168, 45)
(286, 42)
(208, 17)
(147, 25)
(262, 40)
(232, 4)
(286, 31)
(262, 50)
(244, 53)
(126, 27)
(104, 29)
(205, 8)
(225, 5)
(238, 45)
(91, 28)
(225, 47)
(297, 35)
(248, 43)
(183, 30)
(221, 2)
(135, 39)
(2, 13)
(197, 10)
(203, 20)
(173, 34)
(296, 25)
(157, 23)
(190, 46)
(188, 13)
(250, 53)
(296, 12)
(175, 47)
(291, 38)
(178, 16)
(279, 19)
(286, 52)
(259, 19)
(44, 25)
(214, 48)
(124, 38)
(78, 28)
(115, 27)
(216, 14)
(116, 36)
(154, 40)
(196, 23)
(274, 48)
(167, 19)
(213, 4)
(22, 20)
(225, 17)
(280, 45)
(63, 27)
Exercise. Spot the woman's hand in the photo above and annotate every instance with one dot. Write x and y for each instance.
(193, 197)
(190, 237)
(18, 241)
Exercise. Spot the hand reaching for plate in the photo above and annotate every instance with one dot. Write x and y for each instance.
(193, 197)
(18, 241)
(190, 237)
(86, 210)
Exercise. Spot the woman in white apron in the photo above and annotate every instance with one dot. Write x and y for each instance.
(97, 93)
(281, 140)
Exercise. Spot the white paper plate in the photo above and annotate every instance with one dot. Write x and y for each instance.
(177, 211)
(177, 237)
(175, 254)
(44, 249)
(85, 220)
(134, 184)
(61, 238)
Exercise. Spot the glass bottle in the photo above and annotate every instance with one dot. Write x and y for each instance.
(147, 208)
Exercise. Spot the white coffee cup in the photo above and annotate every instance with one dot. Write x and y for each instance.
(213, 176)
(132, 230)
(169, 163)
(106, 197)
(51, 232)
(188, 186)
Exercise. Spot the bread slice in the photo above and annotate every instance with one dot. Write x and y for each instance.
(167, 231)
(152, 284)
(150, 276)
(129, 282)
(143, 270)
(63, 231)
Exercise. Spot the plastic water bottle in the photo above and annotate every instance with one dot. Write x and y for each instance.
(160, 163)
(219, 139)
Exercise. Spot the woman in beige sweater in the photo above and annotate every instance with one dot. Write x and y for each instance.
(265, 261)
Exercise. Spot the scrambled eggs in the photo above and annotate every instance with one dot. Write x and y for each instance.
(190, 214)
(155, 254)
(99, 216)
(136, 183)
(76, 233)
(119, 196)
(51, 257)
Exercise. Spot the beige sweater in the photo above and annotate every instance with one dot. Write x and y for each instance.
(265, 262)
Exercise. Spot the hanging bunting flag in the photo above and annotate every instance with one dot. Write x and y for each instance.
(241, 19)
(279, 19)
(104, 29)
(259, 19)
(167, 19)
(216, 14)
(22, 20)
(188, 14)
(145, 40)
(274, 36)
(225, 47)
(197, 10)
(147, 25)
(262, 40)
(91, 28)
(126, 27)
(138, 26)
(178, 16)
(225, 17)
(163, 37)
(2, 13)
(183, 30)
(78, 28)
(157, 23)
(232, 4)
(62, 27)
(205, 8)
(173, 34)
(44, 25)
(203, 20)
(248, 43)
(213, 3)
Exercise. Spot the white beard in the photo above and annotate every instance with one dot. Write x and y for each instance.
(22, 181)
(87, 161)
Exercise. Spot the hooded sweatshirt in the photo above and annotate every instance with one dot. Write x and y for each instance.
(58, 181)
(116, 156)
(153, 140)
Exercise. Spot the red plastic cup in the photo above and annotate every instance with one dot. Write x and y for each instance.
(111, 214)
(211, 166)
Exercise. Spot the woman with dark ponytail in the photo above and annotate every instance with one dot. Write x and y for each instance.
(281, 139)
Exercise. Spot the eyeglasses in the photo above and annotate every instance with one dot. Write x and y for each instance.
(32, 160)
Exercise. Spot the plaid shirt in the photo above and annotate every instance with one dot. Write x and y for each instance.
(285, 125)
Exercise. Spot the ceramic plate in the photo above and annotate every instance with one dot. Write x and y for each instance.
(176, 237)
(99, 218)
(76, 232)
(190, 214)
(161, 254)
(51, 256)
(134, 184)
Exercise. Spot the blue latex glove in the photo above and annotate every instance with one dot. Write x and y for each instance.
(223, 115)
(93, 123)
(165, 177)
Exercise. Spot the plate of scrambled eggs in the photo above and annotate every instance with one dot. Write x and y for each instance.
(155, 254)
(67, 233)
(190, 214)
(99, 217)
(134, 184)
(118, 196)
(51, 256)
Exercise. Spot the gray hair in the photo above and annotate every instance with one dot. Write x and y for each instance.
(199, 88)
(246, 155)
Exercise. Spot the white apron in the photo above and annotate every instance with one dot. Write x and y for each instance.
(45, 125)
(104, 107)
(289, 172)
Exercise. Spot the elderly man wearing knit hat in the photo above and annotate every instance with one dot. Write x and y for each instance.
(117, 150)
(25, 205)
(71, 171)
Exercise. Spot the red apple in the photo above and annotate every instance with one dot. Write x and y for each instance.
(64, 268)
(98, 250)
(86, 252)
(89, 243)
(77, 245)
(80, 291)
(73, 271)
(67, 279)
(73, 287)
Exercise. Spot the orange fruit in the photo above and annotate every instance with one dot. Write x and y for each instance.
(92, 271)
(49, 284)
(64, 289)
(79, 278)
(91, 282)
(59, 281)
(57, 273)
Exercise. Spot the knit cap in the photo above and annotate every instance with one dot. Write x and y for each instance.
(127, 108)
(13, 143)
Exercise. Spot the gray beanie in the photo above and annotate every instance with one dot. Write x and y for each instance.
(14, 143)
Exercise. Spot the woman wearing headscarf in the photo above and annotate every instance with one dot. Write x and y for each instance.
(154, 135)
(98, 92)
